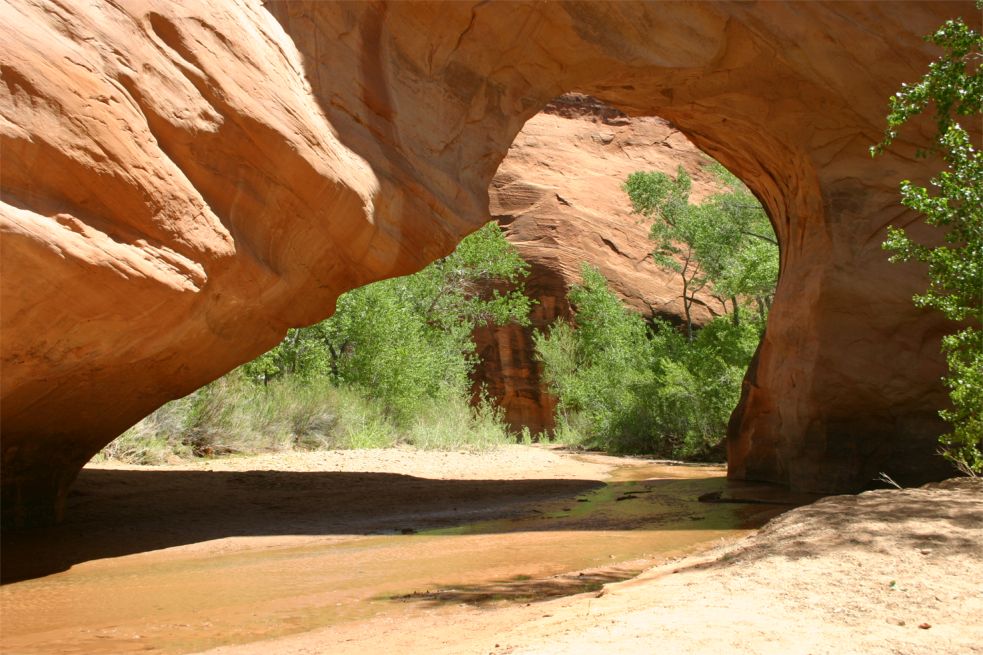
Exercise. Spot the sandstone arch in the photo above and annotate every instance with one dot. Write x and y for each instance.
(182, 183)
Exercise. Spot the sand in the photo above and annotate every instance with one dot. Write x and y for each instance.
(891, 571)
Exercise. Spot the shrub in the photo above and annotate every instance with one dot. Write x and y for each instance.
(624, 386)
(391, 366)
(953, 202)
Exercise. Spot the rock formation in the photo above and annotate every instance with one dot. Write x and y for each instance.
(183, 181)
(558, 194)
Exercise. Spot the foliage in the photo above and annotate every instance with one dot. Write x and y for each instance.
(236, 416)
(388, 350)
(742, 245)
(595, 369)
(391, 366)
(458, 289)
(724, 245)
(677, 232)
(409, 339)
(303, 352)
(954, 203)
(626, 386)
(630, 386)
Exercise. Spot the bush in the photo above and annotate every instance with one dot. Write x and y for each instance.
(235, 416)
(391, 366)
(624, 386)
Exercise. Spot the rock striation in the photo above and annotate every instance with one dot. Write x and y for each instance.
(184, 181)
(558, 194)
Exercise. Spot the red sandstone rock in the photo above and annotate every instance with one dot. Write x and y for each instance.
(183, 181)
(558, 193)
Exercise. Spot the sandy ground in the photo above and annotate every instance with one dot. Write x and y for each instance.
(289, 499)
(510, 463)
(882, 572)
(892, 572)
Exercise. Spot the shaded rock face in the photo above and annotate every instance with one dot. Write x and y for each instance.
(558, 194)
(507, 373)
(182, 182)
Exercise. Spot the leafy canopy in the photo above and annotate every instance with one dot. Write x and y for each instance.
(953, 202)
(724, 245)
(409, 339)
(626, 386)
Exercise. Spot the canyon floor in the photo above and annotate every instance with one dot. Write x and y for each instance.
(517, 550)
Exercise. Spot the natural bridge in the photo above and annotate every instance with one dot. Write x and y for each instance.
(182, 182)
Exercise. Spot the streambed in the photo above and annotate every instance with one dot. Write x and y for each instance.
(180, 559)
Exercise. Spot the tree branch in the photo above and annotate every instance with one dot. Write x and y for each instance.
(760, 236)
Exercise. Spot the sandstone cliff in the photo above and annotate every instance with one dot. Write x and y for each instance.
(558, 193)
(183, 181)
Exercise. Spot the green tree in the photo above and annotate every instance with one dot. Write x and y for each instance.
(391, 366)
(627, 386)
(724, 246)
(953, 202)
(385, 347)
(302, 353)
(743, 245)
(595, 367)
(697, 385)
(678, 231)
(480, 282)
(408, 339)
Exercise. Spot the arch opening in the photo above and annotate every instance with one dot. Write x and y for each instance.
(562, 197)
(560, 193)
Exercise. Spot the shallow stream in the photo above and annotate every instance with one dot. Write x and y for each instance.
(185, 594)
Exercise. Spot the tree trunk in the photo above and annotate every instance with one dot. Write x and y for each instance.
(687, 301)
(334, 360)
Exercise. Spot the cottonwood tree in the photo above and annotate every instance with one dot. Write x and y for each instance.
(406, 339)
(626, 385)
(725, 245)
(953, 202)
(744, 244)
(678, 230)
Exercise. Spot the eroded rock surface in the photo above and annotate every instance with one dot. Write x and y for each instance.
(183, 181)
(558, 193)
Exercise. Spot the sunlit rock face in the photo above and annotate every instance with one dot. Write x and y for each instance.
(183, 181)
(559, 196)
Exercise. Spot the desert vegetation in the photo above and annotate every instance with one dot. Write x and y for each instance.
(391, 366)
(625, 384)
(952, 203)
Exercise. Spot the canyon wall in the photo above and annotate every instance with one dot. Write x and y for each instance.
(184, 181)
(558, 195)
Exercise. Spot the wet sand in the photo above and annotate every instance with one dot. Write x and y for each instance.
(228, 553)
